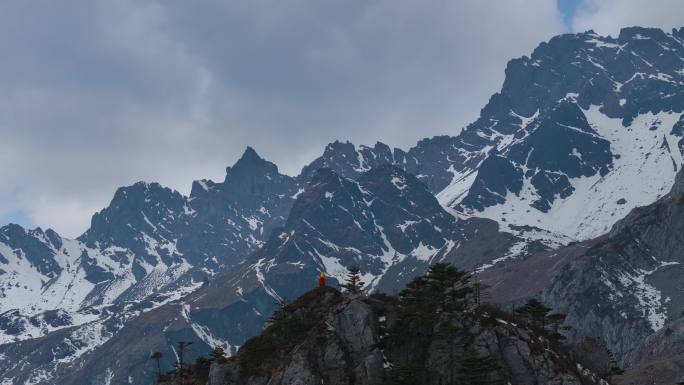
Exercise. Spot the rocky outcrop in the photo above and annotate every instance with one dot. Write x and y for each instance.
(331, 338)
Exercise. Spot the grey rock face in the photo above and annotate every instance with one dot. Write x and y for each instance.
(623, 287)
(344, 346)
(340, 348)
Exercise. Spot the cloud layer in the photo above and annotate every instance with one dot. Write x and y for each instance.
(99, 94)
(606, 17)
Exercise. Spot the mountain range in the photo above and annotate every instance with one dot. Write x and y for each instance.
(567, 188)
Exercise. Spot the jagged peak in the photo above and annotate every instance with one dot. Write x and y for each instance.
(201, 186)
(628, 33)
(338, 146)
(250, 156)
(325, 175)
(11, 228)
(387, 170)
(142, 189)
(250, 163)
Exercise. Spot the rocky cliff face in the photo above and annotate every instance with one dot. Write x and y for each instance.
(623, 287)
(327, 337)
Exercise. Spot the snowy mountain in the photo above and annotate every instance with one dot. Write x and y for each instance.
(386, 221)
(559, 148)
(583, 131)
(150, 243)
(624, 286)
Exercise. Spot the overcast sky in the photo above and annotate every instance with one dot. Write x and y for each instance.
(100, 94)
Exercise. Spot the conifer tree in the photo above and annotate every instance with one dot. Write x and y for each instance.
(157, 356)
(556, 320)
(479, 291)
(536, 311)
(614, 369)
(478, 370)
(353, 283)
(444, 288)
(217, 353)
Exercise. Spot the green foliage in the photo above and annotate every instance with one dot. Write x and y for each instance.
(476, 369)
(284, 331)
(535, 310)
(353, 283)
(217, 353)
(287, 328)
(443, 289)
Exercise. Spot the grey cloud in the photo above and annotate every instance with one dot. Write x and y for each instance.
(97, 94)
(608, 16)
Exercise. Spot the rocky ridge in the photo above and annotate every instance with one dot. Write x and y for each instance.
(327, 337)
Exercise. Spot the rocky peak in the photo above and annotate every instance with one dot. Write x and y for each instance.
(398, 190)
(142, 207)
(639, 33)
(325, 336)
(250, 166)
(32, 245)
(348, 160)
(201, 187)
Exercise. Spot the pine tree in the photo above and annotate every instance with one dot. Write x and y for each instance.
(479, 291)
(353, 283)
(536, 311)
(157, 356)
(444, 288)
(556, 320)
(217, 353)
(614, 369)
(280, 314)
(478, 370)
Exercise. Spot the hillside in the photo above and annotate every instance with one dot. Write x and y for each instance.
(431, 334)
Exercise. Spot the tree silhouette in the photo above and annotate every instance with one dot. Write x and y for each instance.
(444, 288)
(536, 311)
(217, 353)
(180, 365)
(556, 320)
(478, 370)
(479, 291)
(614, 368)
(353, 283)
(157, 356)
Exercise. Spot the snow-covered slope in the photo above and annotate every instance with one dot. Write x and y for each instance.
(645, 158)
(386, 222)
(150, 244)
(574, 127)
(583, 131)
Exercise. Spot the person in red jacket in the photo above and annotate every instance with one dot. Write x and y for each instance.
(321, 280)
